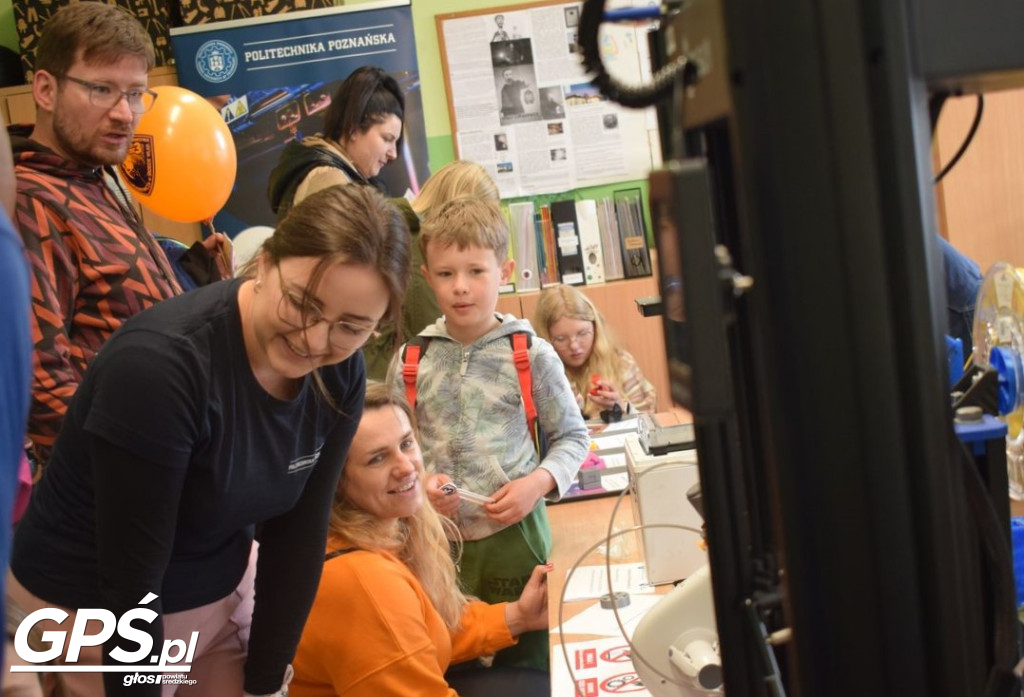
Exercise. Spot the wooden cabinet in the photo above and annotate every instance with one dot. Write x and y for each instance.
(17, 106)
(511, 304)
(980, 207)
(642, 336)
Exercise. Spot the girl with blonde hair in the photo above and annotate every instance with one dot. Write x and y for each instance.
(389, 576)
(604, 375)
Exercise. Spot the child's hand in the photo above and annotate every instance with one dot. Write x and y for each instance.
(530, 612)
(443, 503)
(515, 500)
(605, 395)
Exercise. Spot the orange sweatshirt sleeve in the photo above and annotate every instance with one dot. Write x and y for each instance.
(373, 632)
(483, 631)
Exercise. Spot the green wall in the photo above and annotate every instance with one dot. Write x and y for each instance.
(8, 34)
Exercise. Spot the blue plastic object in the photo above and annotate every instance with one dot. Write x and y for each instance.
(955, 358)
(976, 435)
(1017, 538)
(1007, 363)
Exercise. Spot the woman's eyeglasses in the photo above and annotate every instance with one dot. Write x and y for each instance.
(346, 336)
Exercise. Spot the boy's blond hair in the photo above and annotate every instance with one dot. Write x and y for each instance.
(469, 221)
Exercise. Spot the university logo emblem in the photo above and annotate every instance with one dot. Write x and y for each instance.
(138, 168)
(216, 61)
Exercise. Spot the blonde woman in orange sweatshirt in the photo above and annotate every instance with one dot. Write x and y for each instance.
(389, 617)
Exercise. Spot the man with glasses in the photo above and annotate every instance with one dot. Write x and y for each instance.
(93, 262)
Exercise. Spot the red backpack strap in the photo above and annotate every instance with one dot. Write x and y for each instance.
(521, 357)
(411, 355)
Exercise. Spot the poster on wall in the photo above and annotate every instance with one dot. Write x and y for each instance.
(522, 106)
(272, 79)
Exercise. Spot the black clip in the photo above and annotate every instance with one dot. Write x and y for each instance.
(613, 415)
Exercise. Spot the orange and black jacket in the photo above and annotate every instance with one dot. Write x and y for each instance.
(93, 266)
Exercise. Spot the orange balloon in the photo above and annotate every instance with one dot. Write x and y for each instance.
(182, 162)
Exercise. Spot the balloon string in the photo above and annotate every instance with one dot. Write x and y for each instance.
(209, 223)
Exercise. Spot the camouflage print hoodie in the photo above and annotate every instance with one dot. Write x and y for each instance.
(471, 420)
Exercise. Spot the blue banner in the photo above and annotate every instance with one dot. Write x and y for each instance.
(272, 79)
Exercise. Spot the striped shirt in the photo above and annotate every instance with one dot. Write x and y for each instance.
(93, 266)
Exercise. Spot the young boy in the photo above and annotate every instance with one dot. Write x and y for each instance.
(472, 424)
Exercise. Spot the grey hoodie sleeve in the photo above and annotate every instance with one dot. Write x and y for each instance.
(560, 417)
